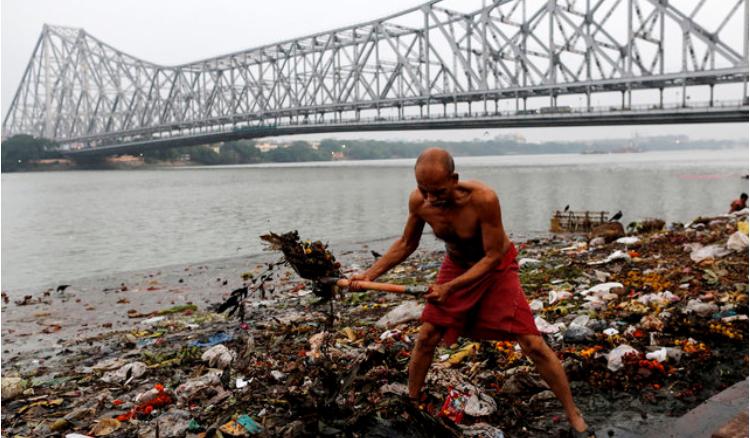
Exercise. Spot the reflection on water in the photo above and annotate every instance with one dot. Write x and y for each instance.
(63, 225)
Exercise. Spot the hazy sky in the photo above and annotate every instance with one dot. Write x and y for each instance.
(177, 31)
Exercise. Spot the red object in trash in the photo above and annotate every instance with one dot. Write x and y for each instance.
(453, 408)
(145, 408)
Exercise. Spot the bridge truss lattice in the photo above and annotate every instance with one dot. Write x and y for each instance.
(512, 60)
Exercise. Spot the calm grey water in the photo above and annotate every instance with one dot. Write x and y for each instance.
(63, 225)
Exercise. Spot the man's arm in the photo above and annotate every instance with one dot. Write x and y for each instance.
(404, 246)
(494, 244)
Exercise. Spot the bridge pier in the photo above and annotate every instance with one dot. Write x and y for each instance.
(684, 93)
(630, 96)
(661, 98)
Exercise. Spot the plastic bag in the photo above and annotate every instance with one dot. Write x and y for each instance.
(483, 430)
(701, 253)
(536, 305)
(602, 289)
(617, 255)
(614, 358)
(555, 296)
(455, 403)
(660, 355)
(132, 370)
(405, 312)
(629, 240)
(218, 356)
(700, 308)
(544, 327)
(188, 389)
(737, 241)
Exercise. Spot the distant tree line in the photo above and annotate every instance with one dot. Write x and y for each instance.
(236, 152)
(245, 152)
(19, 152)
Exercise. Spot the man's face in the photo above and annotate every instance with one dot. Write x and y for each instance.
(436, 189)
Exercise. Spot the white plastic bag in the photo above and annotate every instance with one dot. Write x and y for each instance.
(558, 295)
(130, 371)
(737, 242)
(708, 252)
(219, 356)
(536, 305)
(405, 312)
(528, 262)
(660, 355)
(629, 240)
(545, 327)
(614, 358)
(602, 289)
(617, 255)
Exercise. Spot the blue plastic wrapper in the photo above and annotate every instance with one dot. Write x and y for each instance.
(214, 339)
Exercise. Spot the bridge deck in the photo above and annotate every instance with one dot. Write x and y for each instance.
(721, 114)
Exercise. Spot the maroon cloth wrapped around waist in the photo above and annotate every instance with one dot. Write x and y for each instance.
(493, 307)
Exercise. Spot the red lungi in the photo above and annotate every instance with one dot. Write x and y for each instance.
(494, 307)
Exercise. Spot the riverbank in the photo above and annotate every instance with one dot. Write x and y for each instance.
(87, 357)
(98, 304)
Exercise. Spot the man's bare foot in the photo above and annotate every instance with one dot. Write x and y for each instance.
(577, 423)
(579, 426)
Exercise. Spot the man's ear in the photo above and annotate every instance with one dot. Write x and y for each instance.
(454, 177)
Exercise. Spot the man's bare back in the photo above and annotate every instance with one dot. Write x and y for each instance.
(459, 222)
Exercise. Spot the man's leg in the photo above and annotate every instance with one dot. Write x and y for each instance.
(421, 357)
(552, 372)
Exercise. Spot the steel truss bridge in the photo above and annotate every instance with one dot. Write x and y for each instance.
(506, 63)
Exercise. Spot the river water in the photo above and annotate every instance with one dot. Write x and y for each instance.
(59, 226)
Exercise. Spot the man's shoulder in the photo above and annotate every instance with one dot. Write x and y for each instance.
(481, 193)
(415, 199)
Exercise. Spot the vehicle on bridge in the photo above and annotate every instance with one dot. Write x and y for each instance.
(555, 110)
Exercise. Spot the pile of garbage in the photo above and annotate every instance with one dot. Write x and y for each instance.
(651, 322)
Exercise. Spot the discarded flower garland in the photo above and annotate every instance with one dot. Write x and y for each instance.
(160, 399)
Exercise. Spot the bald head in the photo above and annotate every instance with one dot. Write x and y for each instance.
(434, 162)
(436, 177)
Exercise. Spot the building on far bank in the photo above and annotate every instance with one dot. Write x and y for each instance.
(125, 159)
(267, 146)
(514, 137)
(52, 161)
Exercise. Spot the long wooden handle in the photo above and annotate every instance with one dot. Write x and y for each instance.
(384, 287)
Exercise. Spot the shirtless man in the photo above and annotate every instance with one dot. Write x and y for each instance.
(477, 293)
(739, 204)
